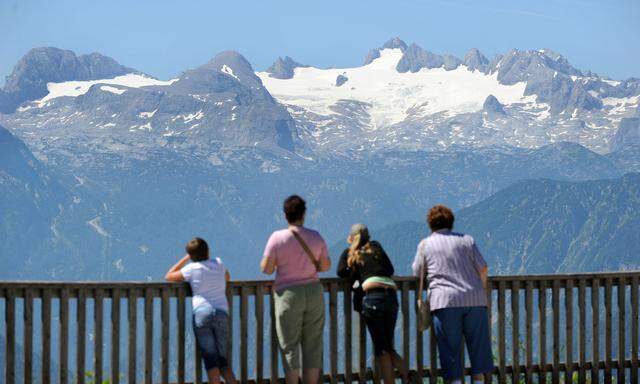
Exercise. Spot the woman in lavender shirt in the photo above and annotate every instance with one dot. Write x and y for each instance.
(457, 282)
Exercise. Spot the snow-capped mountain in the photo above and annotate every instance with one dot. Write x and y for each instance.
(403, 98)
(141, 164)
(407, 97)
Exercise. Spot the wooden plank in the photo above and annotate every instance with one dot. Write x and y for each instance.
(515, 332)
(595, 331)
(230, 338)
(348, 337)
(132, 326)
(608, 334)
(528, 304)
(406, 341)
(98, 318)
(622, 286)
(542, 323)
(333, 332)
(164, 340)
(28, 336)
(274, 339)
(502, 339)
(419, 343)
(10, 337)
(244, 325)
(115, 335)
(148, 336)
(568, 301)
(362, 351)
(259, 313)
(180, 333)
(488, 377)
(634, 329)
(555, 326)
(45, 313)
(81, 336)
(582, 341)
(197, 364)
(64, 336)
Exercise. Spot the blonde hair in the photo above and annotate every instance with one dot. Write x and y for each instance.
(359, 244)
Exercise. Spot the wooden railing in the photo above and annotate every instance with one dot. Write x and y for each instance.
(552, 328)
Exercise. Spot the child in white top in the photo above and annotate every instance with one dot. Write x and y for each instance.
(208, 280)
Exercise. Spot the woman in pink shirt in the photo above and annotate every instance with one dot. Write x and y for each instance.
(296, 254)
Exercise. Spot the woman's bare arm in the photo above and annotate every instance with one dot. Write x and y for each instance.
(484, 276)
(174, 274)
(267, 265)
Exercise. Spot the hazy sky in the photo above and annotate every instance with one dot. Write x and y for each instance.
(163, 38)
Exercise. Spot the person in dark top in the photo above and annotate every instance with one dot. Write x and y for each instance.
(366, 262)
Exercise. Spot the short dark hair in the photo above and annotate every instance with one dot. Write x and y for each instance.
(197, 249)
(294, 208)
(440, 217)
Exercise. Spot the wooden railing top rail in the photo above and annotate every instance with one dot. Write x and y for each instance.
(23, 284)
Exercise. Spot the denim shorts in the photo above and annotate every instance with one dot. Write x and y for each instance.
(380, 310)
(211, 328)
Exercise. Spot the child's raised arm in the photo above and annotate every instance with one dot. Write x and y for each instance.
(174, 274)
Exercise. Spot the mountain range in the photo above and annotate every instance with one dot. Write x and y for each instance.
(106, 171)
(541, 226)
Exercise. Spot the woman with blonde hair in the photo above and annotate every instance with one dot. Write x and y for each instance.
(365, 261)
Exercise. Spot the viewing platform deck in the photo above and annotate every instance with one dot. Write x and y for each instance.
(544, 328)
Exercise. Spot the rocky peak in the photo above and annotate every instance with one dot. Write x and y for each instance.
(492, 105)
(283, 68)
(451, 62)
(40, 66)
(475, 60)
(393, 43)
(627, 135)
(415, 58)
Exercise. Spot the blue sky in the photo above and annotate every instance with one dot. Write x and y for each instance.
(163, 38)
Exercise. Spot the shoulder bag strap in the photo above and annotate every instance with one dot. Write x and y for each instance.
(421, 284)
(307, 251)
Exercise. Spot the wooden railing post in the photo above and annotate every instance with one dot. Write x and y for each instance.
(45, 312)
(542, 335)
(568, 301)
(515, 331)
(595, 331)
(259, 319)
(582, 377)
(10, 336)
(622, 286)
(132, 331)
(333, 332)
(28, 336)
(81, 327)
(634, 330)
(608, 283)
(98, 318)
(164, 340)
(115, 335)
(348, 327)
(528, 305)
(502, 339)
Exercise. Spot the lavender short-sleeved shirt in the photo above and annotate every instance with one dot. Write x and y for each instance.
(452, 263)
(293, 266)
